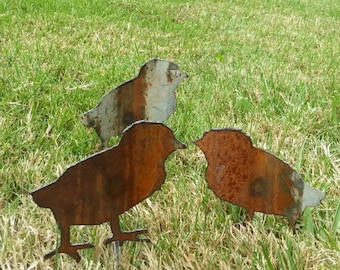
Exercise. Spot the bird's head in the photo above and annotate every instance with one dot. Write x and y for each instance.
(218, 145)
(156, 137)
(166, 72)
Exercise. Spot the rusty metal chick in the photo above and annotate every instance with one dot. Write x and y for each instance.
(101, 187)
(253, 178)
(149, 96)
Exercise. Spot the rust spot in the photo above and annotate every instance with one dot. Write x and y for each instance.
(169, 77)
(258, 188)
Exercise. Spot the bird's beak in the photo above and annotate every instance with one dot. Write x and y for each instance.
(197, 142)
(179, 145)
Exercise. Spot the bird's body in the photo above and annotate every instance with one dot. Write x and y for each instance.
(252, 178)
(101, 182)
(149, 96)
(100, 188)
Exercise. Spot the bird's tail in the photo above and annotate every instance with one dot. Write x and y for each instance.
(311, 196)
(85, 119)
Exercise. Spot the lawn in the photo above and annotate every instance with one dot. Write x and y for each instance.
(270, 68)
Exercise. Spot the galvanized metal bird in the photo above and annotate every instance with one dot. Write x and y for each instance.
(149, 96)
(252, 178)
(103, 186)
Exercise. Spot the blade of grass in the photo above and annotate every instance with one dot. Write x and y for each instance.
(266, 256)
(336, 221)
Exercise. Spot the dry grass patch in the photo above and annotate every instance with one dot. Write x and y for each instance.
(270, 68)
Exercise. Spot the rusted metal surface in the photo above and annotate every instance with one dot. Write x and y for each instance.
(252, 178)
(149, 96)
(101, 187)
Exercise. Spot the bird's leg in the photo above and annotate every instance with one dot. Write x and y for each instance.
(120, 236)
(250, 215)
(66, 247)
(292, 224)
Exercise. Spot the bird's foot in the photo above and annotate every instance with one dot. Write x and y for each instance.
(240, 224)
(128, 236)
(277, 234)
(70, 250)
(244, 225)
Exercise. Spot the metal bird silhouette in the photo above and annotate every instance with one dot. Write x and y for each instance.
(252, 178)
(149, 96)
(103, 186)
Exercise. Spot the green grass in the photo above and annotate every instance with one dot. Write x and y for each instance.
(270, 68)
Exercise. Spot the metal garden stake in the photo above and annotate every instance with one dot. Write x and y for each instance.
(149, 96)
(103, 186)
(252, 178)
